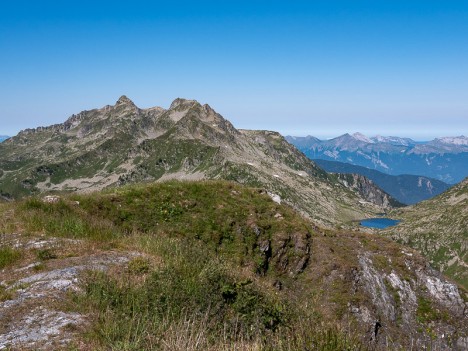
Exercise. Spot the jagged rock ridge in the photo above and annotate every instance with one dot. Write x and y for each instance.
(121, 144)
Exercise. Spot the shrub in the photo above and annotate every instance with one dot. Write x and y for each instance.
(45, 254)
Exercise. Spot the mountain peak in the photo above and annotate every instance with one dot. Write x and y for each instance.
(362, 137)
(393, 140)
(124, 100)
(181, 102)
(459, 140)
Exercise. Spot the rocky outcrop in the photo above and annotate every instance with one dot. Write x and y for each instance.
(27, 324)
(292, 253)
(368, 190)
(417, 306)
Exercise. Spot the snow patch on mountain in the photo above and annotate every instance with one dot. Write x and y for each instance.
(460, 140)
(364, 155)
(333, 154)
(362, 137)
(393, 140)
(380, 163)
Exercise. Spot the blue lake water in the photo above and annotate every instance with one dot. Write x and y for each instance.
(379, 223)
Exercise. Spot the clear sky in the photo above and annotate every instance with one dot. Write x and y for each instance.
(397, 67)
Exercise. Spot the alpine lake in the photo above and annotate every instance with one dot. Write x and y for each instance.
(378, 223)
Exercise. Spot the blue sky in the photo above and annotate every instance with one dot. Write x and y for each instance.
(300, 67)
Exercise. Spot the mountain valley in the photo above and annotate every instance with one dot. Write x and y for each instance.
(407, 189)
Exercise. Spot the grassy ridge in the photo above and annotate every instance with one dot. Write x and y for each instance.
(216, 269)
(231, 220)
(218, 266)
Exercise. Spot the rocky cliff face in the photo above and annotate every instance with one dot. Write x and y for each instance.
(405, 304)
(121, 144)
(407, 189)
(368, 190)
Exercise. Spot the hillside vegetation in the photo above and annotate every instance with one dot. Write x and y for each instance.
(212, 266)
(439, 229)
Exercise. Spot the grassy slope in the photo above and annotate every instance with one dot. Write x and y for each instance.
(439, 229)
(212, 253)
(220, 264)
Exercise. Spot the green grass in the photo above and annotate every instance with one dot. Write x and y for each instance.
(46, 254)
(139, 265)
(196, 297)
(210, 254)
(65, 219)
(217, 267)
(191, 282)
(427, 313)
(232, 220)
(227, 217)
(8, 256)
(5, 294)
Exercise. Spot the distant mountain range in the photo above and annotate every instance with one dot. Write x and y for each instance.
(3, 137)
(445, 159)
(407, 189)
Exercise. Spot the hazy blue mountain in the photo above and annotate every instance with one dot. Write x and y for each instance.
(445, 159)
(3, 137)
(393, 140)
(408, 189)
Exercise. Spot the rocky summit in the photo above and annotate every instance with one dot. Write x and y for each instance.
(121, 144)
